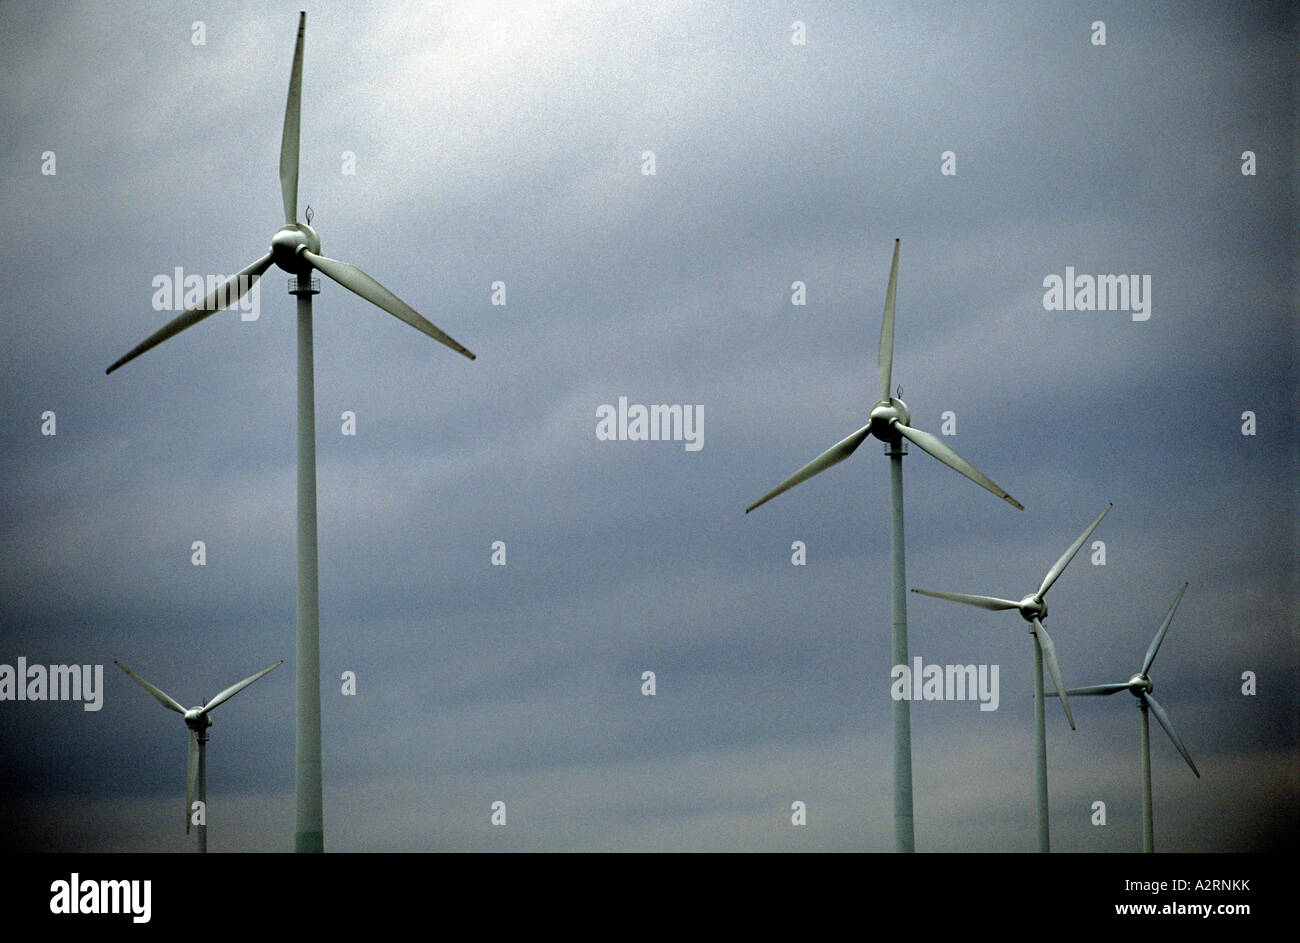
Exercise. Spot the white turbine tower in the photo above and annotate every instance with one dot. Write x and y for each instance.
(196, 718)
(296, 249)
(888, 421)
(1033, 609)
(1140, 687)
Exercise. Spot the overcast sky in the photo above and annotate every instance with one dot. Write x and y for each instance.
(507, 142)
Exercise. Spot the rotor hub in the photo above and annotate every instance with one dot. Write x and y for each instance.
(883, 415)
(289, 241)
(1033, 607)
(1139, 683)
(196, 720)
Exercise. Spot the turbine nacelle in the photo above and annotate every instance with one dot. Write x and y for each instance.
(287, 245)
(1140, 683)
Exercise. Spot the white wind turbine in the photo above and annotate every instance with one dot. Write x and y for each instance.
(888, 421)
(1140, 687)
(1033, 609)
(296, 248)
(196, 718)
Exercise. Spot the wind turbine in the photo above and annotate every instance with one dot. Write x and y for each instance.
(888, 421)
(1033, 609)
(295, 247)
(1140, 687)
(196, 718)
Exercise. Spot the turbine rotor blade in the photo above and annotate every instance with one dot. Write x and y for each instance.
(359, 283)
(223, 296)
(190, 776)
(1160, 634)
(1100, 689)
(885, 358)
(234, 689)
(984, 602)
(1163, 718)
(289, 138)
(936, 447)
(1049, 655)
(162, 697)
(832, 456)
(1059, 567)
